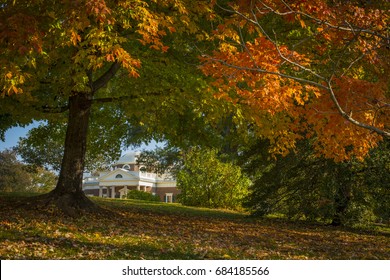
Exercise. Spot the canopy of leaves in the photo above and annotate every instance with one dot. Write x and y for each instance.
(314, 69)
(50, 51)
(80, 36)
(79, 46)
(165, 160)
(44, 145)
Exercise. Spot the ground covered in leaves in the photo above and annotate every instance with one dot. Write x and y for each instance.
(143, 230)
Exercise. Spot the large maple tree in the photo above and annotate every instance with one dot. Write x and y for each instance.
(70, 56)
(316, 69)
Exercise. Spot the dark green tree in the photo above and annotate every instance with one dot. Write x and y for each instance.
(13, 174)
(303, 185)
(376, 176)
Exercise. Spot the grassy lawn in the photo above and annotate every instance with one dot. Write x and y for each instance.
(150, 230)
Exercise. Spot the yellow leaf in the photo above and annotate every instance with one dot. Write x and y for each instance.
(226, 256)
(303, 25)
(14, 89)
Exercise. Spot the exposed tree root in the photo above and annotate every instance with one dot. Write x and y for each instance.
(70, 204)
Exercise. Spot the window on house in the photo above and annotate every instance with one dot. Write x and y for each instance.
(119, 176)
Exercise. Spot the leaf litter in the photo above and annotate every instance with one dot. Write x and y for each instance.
(137, 230)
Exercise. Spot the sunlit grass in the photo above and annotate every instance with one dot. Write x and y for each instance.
(166, 208)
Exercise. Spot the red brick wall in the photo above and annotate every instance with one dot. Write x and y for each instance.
(92, 192)
(162, 191)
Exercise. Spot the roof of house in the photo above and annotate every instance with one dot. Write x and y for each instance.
(128, 158)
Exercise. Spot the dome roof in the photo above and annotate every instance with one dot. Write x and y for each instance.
(127, 158)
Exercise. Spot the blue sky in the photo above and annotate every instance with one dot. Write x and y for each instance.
(12, 136)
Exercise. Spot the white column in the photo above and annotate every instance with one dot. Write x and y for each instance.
(100, 191)
(113, 192)
(138, 188)
(125, 191)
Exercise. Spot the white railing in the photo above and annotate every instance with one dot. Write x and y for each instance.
(91, 179)
(148, 175)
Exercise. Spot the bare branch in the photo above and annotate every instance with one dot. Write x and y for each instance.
(348, 27)
(259, 70)
(352, 63)
(286, 59)
(349, 117)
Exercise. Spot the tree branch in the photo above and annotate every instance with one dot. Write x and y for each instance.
(52, 110)
(103, 100)
(105, 78)
(348, 27)
(352, 120)
(259, 70)
(328, 88)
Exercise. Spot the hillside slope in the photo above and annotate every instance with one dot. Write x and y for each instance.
(140, 230)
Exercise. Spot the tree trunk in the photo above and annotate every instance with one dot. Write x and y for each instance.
(342, 199)
(68, 194)
(72, 167)
(341, 205)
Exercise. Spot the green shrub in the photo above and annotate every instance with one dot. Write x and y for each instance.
(206, 181)
(141, 195)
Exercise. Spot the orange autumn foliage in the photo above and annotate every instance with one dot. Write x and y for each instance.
(322, 73)
(95, 32)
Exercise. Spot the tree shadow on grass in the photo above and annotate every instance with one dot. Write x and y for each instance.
(19, 245)
(138, 233)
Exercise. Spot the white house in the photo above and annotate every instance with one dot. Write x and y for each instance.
(126, 175)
